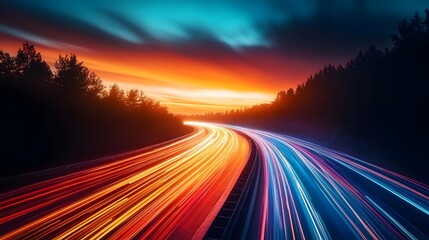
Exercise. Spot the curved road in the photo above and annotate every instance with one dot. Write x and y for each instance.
(309, 191)
(171, 191)
(296, 190)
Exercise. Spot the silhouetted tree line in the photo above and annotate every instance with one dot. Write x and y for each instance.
(378, 101)
(54, 117)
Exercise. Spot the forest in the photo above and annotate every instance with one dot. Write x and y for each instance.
(52, 117)
(378, 103)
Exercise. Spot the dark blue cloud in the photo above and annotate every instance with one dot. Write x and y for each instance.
(313, 27)
(340, 28)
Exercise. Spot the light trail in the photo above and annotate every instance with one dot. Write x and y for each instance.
(313, 192)
(173, 191)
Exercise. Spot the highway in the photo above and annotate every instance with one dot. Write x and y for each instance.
(309, 191)
(172, 191)
(289, 188)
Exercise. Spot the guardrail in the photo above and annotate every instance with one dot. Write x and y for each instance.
(235, 217)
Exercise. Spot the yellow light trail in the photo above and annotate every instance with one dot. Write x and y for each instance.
(172, 191)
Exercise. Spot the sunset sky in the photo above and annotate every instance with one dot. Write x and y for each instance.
(201, 56)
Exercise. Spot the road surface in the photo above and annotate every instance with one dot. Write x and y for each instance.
(308, 191)
(292, 189)
(171, 191)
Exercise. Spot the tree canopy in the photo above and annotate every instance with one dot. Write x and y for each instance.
(51, 117)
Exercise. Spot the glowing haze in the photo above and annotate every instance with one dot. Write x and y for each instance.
(201, 56)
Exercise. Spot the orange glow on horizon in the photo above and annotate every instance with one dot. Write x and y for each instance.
(184, 84)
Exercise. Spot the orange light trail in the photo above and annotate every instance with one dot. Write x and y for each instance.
(174, 190)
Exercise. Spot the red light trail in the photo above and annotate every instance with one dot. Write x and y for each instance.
(171, 191)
